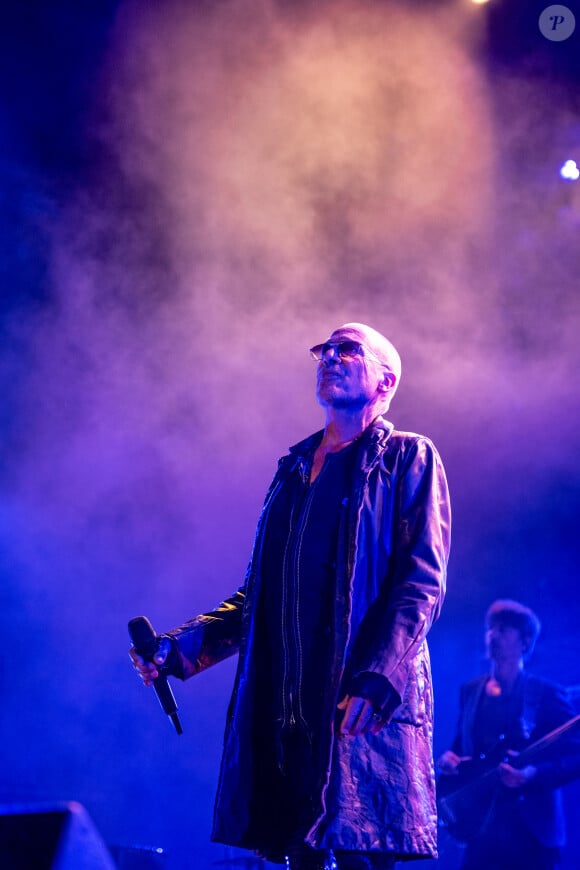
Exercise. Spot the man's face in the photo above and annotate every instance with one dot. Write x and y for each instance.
(504, 643)
(351, 381)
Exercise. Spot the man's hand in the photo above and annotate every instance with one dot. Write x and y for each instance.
(515, 777)
(450, 761)
(359, 717)
(148, 670)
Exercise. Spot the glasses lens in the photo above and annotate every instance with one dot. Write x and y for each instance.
(348, 349)
(344, 349)
(316, 351)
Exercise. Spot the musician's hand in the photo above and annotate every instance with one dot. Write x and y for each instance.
(359, 717)
(148, 670)
(450, 761)
(516, 777)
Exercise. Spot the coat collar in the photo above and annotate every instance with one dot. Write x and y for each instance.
(372, 439)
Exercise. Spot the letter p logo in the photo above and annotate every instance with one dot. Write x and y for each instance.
(557, 23)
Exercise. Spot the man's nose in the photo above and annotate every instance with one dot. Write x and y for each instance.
(330, 355)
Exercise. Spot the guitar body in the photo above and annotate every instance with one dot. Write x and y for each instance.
(465, 800)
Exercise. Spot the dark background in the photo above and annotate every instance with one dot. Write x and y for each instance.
(192, 195)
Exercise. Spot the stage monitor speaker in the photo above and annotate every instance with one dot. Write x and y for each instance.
(50, 837)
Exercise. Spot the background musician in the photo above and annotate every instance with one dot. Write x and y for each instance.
(519, 822)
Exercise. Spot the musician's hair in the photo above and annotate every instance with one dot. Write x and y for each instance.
(508, 612)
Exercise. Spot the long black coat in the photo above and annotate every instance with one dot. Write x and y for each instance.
(378, 792)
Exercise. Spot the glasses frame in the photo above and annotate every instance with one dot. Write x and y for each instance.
(319, 351)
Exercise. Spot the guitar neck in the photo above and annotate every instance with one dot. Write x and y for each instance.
(544, 742)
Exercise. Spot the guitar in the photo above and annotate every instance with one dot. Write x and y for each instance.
(465, 800)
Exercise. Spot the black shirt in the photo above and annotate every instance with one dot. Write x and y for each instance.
(298, 582)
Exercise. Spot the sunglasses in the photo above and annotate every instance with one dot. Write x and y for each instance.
(345, 349)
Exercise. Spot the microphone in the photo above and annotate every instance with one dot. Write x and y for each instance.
(144, 639)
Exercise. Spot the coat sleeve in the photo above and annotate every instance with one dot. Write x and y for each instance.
(210, 637)
(462, 743)
(559, 763)
(411, 595)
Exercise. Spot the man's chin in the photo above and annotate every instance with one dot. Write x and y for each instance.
(337, 400)
(329, 394)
